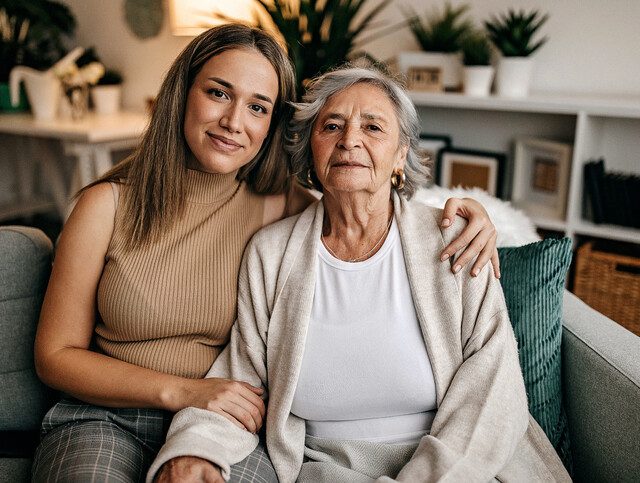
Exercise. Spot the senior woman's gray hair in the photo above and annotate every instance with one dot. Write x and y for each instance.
(319, 90)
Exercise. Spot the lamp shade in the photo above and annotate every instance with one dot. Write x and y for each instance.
(192, 17)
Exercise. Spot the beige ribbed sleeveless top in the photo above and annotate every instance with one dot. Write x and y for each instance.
(170, 306)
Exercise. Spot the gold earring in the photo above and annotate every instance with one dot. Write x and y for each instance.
(398, 178)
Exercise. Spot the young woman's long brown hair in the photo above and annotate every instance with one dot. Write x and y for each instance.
(155, 173)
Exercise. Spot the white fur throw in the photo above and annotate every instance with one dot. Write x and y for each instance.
(513, 226)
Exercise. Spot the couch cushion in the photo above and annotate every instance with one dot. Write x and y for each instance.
(25, 263)
(533, 278)
(15, 470)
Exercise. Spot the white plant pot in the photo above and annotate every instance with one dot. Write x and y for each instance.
(106, 99)
(513, 77)
(451, 65)
(477, 80)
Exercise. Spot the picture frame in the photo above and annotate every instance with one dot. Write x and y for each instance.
(425, 79)
(541, 176)
(472, 169)
(431, 145)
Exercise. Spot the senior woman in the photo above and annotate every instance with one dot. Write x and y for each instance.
(379, 362)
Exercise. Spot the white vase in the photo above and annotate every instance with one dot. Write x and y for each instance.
(451, 65)
(43, 91)
(106, 99)
(513, 77)
(477, 80)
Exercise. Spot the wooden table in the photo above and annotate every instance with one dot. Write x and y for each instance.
(90, 141)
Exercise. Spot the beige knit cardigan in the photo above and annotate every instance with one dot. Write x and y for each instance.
(482, 429)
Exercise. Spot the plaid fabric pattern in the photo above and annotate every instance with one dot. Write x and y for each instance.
(85, 443)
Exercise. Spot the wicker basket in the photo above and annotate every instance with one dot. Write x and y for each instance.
(610, 283)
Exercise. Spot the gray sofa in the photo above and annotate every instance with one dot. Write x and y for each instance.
(601, 372)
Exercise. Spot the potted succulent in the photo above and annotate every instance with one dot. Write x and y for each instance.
(478, 71)
(107, 93)
(512, 34)
(32, 34)
(440, 36)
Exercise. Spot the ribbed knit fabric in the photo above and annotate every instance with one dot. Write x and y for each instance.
(170, 306)
(533, 278)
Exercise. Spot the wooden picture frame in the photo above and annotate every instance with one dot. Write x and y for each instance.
(541, 176)
(472, 169)
(425, 79)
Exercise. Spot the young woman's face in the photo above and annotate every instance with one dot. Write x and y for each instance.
(229, 109)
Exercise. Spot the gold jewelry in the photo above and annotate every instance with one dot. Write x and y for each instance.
(398, 178)
(366, 255)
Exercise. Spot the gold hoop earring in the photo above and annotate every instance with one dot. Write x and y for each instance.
(398, 178)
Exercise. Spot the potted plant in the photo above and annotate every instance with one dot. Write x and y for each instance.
(320, 35)
(107, 93)
(476, 57)
(512, 34)
(440, 36)
(32, 34)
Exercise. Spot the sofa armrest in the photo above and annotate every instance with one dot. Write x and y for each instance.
(25, 264)
(601, 385)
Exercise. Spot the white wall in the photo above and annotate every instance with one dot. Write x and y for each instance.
(593, 47)
(143, 63)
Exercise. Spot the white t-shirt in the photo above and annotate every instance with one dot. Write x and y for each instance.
(365, 373)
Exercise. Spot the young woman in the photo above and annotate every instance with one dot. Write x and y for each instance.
(142, 295)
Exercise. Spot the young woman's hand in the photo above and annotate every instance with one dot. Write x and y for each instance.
(479, 236)
(185, 469)
(237, 401)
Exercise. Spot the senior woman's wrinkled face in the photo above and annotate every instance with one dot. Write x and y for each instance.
(355, 141)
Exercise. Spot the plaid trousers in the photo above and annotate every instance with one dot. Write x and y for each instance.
(85, 443)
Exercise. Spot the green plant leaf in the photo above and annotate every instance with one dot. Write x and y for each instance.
(512, 32)
(440, 32)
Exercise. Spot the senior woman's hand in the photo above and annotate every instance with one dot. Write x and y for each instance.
(185, 469)
(479, 236)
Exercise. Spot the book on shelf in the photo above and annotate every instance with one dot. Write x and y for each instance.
(593, 182)
(611, 197)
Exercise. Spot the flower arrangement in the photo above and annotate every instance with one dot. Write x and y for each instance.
(75, 84)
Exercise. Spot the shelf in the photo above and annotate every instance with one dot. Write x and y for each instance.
(536, 103)
(594, 125)
(611, 232)
(546, 223)
(542, 216)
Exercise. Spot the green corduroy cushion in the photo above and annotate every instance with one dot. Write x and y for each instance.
(533, 278)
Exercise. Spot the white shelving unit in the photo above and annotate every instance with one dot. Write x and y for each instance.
(607, 127)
